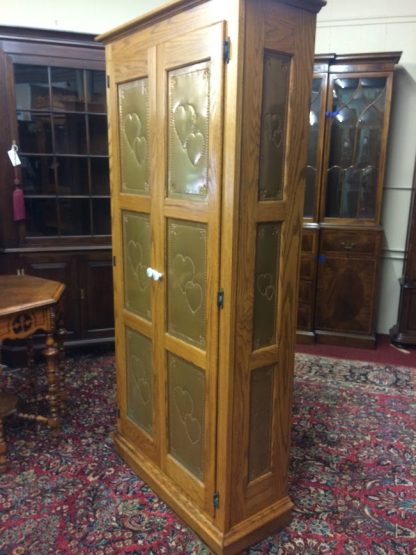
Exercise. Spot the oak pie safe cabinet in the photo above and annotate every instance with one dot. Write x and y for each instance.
(208, 111)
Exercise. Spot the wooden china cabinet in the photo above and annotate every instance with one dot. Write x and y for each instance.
(208, 111)
(53, 105)
(342, 236)
(404, 331)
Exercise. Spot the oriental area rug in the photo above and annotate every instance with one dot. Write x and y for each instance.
(352, 474)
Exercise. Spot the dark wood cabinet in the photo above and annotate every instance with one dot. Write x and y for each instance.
(342, 236)
(53, 107)
(404, 331)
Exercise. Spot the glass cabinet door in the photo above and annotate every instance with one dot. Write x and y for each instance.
(356, 143)
(316, 127)
(62, 141)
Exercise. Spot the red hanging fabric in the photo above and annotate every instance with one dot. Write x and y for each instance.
(19, 210)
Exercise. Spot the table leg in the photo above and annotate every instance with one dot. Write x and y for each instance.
(60, 338)
(51, 355)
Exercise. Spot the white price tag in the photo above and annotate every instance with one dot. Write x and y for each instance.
(14, 158)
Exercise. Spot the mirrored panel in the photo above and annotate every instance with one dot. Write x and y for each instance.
(38, 175)
(35, 133)
(136, 242)
(100, 171)
(75, 216)
(31, 87)
(276, 78)
(41, 217)
(187, 281)
(261, 411)
(101, 216)
(266, 284)
(67, 86)
(70, 133)
(133, 98)
(189, 105)
(186, 426)
(97, 125)
(356, 134)
(139, 380)
(72, 175)
(314, 134)
(96, 91)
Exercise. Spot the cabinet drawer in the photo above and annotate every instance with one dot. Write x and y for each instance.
(357, 242)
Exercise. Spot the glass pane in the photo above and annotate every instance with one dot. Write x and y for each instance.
(187, 281)
(68, 89)
(96, 91)
(134, 137)
(70, 133)
(31, 87)
(139, 380)
(35, 133)
(265, 289)
(273, 125)
(98, 134)
(75, 216)
(41, 217)
(72, 176)
(38, 176)
(101, 217)
(261, 409)
(186, 414)
(355, 142)
(137, 245)
(189, 105)
(100, 183)
(314, 132)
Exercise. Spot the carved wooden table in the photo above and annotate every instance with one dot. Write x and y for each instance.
(27, 305)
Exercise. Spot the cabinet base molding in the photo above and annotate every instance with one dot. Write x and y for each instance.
(305, 337)
(346, 339)
(240, 536)
(405, 338)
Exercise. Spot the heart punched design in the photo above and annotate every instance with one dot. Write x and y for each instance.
(265, 286)
(183, 270)
(140, 379)
(138, 268)
(195, 147)
(140, 150)
(132, 128)
(184, 406)
(274, 129)
(184, 119)
(184, 273)
(193, 292)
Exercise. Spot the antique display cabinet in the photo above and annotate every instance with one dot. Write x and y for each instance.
(342, 235)
(208, 108)
(53, 106)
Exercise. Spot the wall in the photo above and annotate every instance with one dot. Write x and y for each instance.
(343, 27)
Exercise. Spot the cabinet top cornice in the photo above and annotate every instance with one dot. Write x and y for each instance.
(173, 7)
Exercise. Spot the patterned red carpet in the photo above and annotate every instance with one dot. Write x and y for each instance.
(353, 471)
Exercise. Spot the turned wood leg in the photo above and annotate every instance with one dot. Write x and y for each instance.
(30, 353)
(60, 338)
(51, 355)
(3, 449)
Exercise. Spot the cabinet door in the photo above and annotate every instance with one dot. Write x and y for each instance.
(96, 295)
(167, 233)
(58, 267)
(346, 294)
